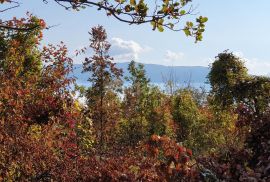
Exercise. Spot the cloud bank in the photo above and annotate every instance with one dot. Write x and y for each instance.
(127, 50)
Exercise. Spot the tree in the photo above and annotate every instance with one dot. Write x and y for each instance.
(202, 128)
(226, 72)
(26, 42)
(254, 92)
(36, 108)
(159, 114)
(133, 127)
(139, 88)
(185, 114)
(234, 86)
(105, 80)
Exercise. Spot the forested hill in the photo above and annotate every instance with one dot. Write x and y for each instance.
(159, 73)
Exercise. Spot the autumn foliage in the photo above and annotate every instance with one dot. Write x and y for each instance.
(47, 134)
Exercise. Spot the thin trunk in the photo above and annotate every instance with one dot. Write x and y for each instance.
(101, 115)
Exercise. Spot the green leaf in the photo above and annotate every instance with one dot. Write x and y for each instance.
(161, 21)
(204, 19)
(189, 24)
(187, 32)
(201, 30)
(160, 28)
(182, 12)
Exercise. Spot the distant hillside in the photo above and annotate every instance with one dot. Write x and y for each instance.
(158, 73)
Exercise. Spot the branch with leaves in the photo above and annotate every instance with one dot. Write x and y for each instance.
(17, 24)
(161, 13)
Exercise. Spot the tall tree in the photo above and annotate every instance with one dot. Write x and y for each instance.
(135, 104)
(231, 84)
(105, 80)
(226, 72)
(139, 88)
(159, 115)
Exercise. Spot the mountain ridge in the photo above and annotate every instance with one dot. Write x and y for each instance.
(158, 73)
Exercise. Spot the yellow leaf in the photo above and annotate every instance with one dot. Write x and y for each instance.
(133, 2)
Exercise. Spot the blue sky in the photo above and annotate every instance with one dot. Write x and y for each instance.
(241, 26)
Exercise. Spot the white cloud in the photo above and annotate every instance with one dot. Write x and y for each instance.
(126, 50)
(239, 54)
(173, 58)
(258, 67)
(121, 50)
(254, 65)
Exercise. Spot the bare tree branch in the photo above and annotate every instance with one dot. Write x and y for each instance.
(18, 29)
(9, 8)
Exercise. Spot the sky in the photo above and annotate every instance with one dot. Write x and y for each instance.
(242, 26)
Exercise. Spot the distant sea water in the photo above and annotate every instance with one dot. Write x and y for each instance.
(184, 76)
(162, 86)
(205, 86)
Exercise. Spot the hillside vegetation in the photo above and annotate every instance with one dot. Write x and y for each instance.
(148, 134)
